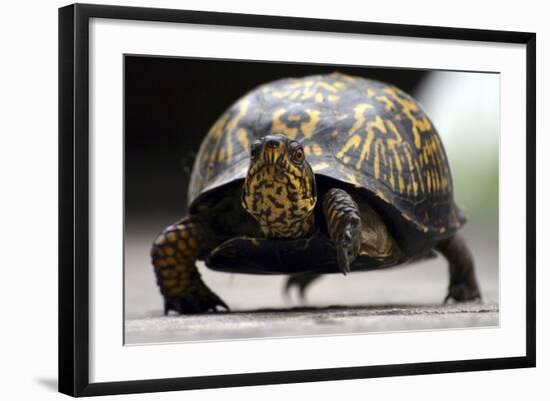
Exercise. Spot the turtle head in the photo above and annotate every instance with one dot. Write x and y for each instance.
(279, 189)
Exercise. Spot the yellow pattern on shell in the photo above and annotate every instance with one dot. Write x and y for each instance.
(378, 124)
(359, 117)
(379, 152)
(408, 108)
(216, 133)
(389, 105)
(327, 86)
(354, 142)
(243, 108)
(413, 186)
(367, 127)
(353, 180)
(340, 85)
(309, 127)
(392, 145)
(277, 125)
(317, 150)
(320, 166)
(242, 137)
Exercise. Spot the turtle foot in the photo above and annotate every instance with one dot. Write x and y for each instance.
(463, 292)
(198, 299)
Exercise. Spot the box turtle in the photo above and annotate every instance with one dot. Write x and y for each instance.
(320, 174)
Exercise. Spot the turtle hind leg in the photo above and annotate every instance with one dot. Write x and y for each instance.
(344, 226)
(174, 254)
(463, 284)
(301, 281)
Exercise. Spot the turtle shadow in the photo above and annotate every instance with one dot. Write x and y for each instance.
(385, 308)
(331, 308)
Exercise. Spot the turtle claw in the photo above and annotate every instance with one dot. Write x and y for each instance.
(462, 292)
(343, 260)
(345, 250)
(220, 304)
(194, 301)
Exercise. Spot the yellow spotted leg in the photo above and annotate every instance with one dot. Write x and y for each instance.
(344, 226)
(343, 220)
(174, 254)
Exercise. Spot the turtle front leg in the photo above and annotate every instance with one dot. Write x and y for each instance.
(463, 283)
(174, 254)
(344, 226)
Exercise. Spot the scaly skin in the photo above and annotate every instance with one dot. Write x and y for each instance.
(344, 226)
(280, 193)
(174, 254)
(463, 284)
(279, 189)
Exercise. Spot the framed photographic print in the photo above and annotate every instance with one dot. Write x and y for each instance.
(250, 199)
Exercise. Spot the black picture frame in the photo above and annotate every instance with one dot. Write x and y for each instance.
(74, 204)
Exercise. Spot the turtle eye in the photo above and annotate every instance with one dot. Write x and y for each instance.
(298, 155)
(255, 150)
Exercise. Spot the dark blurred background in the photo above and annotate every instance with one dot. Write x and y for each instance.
(171, 103)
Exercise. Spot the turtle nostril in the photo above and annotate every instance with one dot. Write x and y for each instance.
(273, 143)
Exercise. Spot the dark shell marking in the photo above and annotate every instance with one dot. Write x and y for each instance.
(364, 133)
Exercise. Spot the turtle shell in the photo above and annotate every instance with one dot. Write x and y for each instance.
(359, 133)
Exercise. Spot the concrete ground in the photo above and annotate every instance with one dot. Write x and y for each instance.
(308, 321)
(401, 298)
